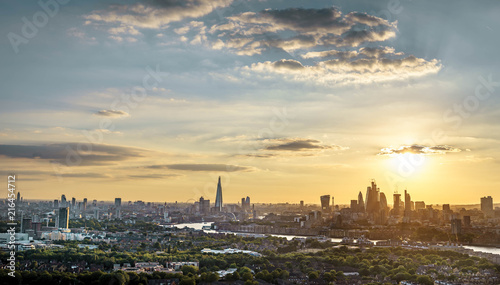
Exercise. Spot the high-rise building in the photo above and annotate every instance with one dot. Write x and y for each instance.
(333, 204)
(18, 197)
(63, 218)
(63, 201)
(354, 205)
(325, 203)
(487, 204)
(446, 207)
(84, 204)
(419, 205)
(361, 203)
(245, 204)
(218, 198)
(407, 203)
(301, 203)
(396, 201)
(56, 204)
(372, 198)
(118, 208)
(383, 202)
(26, 224)
(73, 203)
(204, 206)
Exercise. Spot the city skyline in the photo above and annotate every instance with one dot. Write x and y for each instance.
(285, 101)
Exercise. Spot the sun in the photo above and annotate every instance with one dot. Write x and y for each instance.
(407, 164)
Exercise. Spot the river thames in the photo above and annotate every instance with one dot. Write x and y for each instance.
(199, 226)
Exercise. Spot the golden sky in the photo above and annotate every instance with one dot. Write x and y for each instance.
(284, 101)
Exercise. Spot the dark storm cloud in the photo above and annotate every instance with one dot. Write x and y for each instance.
(202, 167)
(419, 149)
(72, 154)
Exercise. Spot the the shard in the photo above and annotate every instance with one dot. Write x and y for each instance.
(218, 198)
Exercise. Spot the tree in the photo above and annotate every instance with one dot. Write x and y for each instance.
(186, 269)
(313, 275)
(247, 276)
(187, 281)
(212, 277)
(424, 279)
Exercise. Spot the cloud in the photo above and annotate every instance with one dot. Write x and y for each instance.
(153, 176)
(203, 167)
(302, 30)
(81, 175)
(154, 14)
(72, 154)
(299, 145)
(289, 64)
(346, 69)
(419, 149)
(112, 113)
(296, 28)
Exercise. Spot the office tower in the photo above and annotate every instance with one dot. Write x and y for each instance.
(419, 205)
(361, 203)
(96, 213)
(63, 200)
(26, 224)
(446, 207)
(18, 197)
(354, 205)
(396, 201)
(487, 204)
(63, 218)
(94, 203)
(204, 206)
(118, 208)
(383, 208)
(372, 198)
(383, 202)
(218, 198)
(333, 204)
(84, 204)
(245, 204)
(325, 203)
(456, 226)
(407, 203)
(56, 204)
(302, 204)
(73, 203)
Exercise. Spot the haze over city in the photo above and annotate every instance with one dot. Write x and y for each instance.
(285, 100)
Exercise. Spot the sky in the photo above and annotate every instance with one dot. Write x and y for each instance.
(285, 100)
